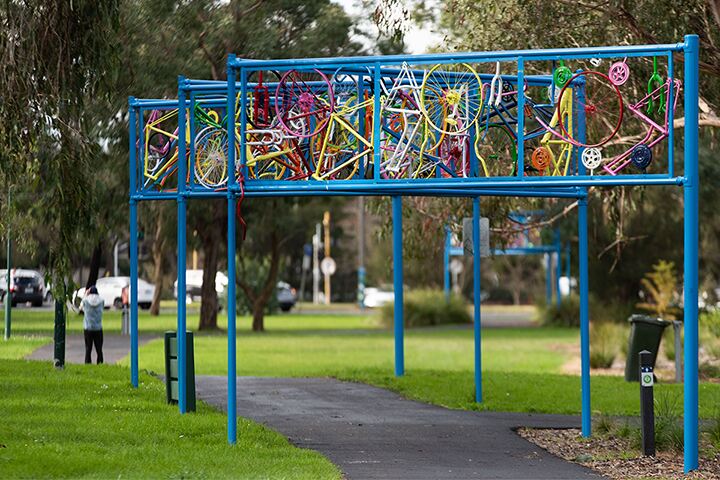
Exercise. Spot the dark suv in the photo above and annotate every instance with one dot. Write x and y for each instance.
(27, 286)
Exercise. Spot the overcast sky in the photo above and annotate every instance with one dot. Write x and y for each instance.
(416, 39)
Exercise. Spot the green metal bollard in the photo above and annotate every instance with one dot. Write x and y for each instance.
(645, 334)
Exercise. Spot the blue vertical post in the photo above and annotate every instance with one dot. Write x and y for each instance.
(446, 263)
(377, 154)
(134, 377)
(521, 118)
(558, 265)
(583, 276)
(181, 247)
(690, 264)
(231, 315)
(231, 202)
(476, 299)
(399, 324)
(671, 116)
(584, 317)
(548, 278)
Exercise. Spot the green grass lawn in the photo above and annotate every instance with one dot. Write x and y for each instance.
(85, 422)
(521, 367)
(28, 321)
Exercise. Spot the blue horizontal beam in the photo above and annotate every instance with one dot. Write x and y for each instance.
(504, 55)
(525, 250)
(474, 182)
(554, 187)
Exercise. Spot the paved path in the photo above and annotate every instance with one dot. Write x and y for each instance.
(371, 433)
(507, 319)
(115, 347)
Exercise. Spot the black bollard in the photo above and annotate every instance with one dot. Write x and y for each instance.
(59, 335)
(647, 405)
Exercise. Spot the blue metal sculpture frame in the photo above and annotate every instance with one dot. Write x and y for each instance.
(556, 248)
(571, 186)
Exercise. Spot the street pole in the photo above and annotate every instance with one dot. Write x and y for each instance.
(8, 293)
(116, 255)
(316, 265)
(326, 225)
(361, 252)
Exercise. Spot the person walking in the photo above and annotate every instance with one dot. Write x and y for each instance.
(93, 306)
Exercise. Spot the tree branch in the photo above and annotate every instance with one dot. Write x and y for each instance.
(704, 121)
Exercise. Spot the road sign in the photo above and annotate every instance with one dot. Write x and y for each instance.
(484, 236)
(328, 266)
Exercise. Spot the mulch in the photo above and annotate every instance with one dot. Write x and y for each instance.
(615, 458)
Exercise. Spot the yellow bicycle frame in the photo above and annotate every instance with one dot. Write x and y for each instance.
(561, 162)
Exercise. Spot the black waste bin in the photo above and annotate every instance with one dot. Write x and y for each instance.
(645, 334)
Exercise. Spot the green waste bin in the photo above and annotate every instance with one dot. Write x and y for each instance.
(171, 370)
(645, 334)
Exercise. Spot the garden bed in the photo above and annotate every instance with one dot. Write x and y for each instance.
(617, 457)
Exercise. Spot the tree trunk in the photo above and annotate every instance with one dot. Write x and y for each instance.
(258, 324)
(94, 265)
(158, 253)
(209, 303)
(268, 288)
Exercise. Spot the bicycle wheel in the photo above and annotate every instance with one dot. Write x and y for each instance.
(211, 156)
(496, 151)
(303, 102)
(602, 106)
(451, 97)
(156, 151)
(454, 156)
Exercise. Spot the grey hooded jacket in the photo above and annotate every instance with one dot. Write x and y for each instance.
(93, 305)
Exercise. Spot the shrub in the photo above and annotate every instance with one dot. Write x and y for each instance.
(605, 340)
(710, 334)
(668, 427)
(604, 424)
(424, 308)
(712, 428)
(668, 345)
(567, 314)
(660, 287)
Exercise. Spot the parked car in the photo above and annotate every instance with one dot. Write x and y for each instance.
(26, 286)
(194, 280)
(377, 297)
(110, 289)
(286, 296)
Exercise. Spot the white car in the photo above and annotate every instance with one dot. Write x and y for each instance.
(194, 281)
(377, 297)
(110, 289)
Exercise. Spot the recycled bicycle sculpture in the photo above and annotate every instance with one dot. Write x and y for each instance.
(556, 122)
(439, 121)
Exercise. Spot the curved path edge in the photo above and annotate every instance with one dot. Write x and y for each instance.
(372, 433)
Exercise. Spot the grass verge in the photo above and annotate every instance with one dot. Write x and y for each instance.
(85, 422)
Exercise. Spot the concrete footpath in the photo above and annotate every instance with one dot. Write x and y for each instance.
(115, 347)
(371, 433)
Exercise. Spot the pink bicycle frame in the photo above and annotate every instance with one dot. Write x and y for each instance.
(619, 162)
